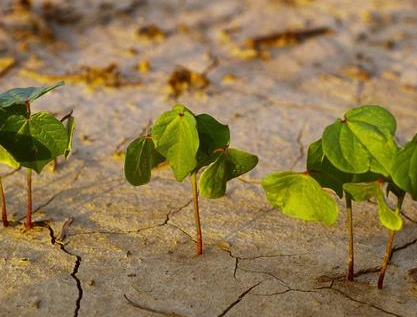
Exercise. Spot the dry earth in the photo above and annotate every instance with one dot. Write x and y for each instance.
(129, 251)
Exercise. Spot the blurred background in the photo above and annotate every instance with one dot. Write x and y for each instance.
(277, 69)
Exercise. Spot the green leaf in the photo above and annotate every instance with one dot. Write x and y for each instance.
(70, 133)
(230, 163)
(7, 159)
(23, 95)
(213, 135)
(361, 191)
(300, 196)
(5, 113)
(34, 141)
(176, 138)
(320, 168)
(404, 172)
(141, 157)
(364, 191)
(363, 141)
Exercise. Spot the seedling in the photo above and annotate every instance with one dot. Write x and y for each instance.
(32, 140)
(354, 157)
(188, 143)
(404, 176)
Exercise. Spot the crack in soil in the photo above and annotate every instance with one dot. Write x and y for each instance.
(155, 311)
(364, 303)
(239, 299)
(164, 223)
(75, 269)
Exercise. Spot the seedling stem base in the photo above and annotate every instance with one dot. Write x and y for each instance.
(388, 249)
(29, 202)
(3, 205)
(199, 249)
(350, 233)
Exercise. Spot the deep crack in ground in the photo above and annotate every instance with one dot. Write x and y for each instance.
(74, 271)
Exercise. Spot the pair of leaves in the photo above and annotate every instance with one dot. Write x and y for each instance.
(364, 191)
(188, 142)
(231, 163)
(301, 196)
(363, 141)
(31, 140)
(404, 171)
(329, 176)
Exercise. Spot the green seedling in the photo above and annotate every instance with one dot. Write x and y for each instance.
(404, 180)
(5, 157)
(32, 139)
(188, 143)
(354, 153)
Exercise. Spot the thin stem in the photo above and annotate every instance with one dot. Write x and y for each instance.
(388, 249)
(3, 205)
(29, 207)
(349, 223)
(199, 249)
(28, 111)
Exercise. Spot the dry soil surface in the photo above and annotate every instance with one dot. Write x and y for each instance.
(254, 64)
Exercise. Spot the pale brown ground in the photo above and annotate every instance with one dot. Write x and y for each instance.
(136, 244)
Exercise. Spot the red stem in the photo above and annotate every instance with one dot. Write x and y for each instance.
(3, 205)
(29, 206)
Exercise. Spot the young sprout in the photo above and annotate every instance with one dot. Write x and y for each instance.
(355, 153)
(32, 139)
(5, 157)
(188, 143)
(404, 180)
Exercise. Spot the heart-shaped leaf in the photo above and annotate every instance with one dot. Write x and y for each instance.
(34, 141)
(320, 168)
(230, 163)
(141, 157)
(7, 159)
(23, 95)
(404, 171)
(70, 127)
(213, 135)
(364, 191)
(300, 196)
(176, 138)
(362, 141)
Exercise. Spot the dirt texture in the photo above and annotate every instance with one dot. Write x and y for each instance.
(277, 72)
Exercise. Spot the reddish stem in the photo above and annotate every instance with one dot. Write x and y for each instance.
(29, 202)
(349, 223)
(199, 248)
(3, 205)
(388, 249)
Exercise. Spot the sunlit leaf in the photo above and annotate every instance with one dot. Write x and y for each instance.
(176, 138)
(362, 141)
(300, 196)
(7, 159)
(364, 191)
